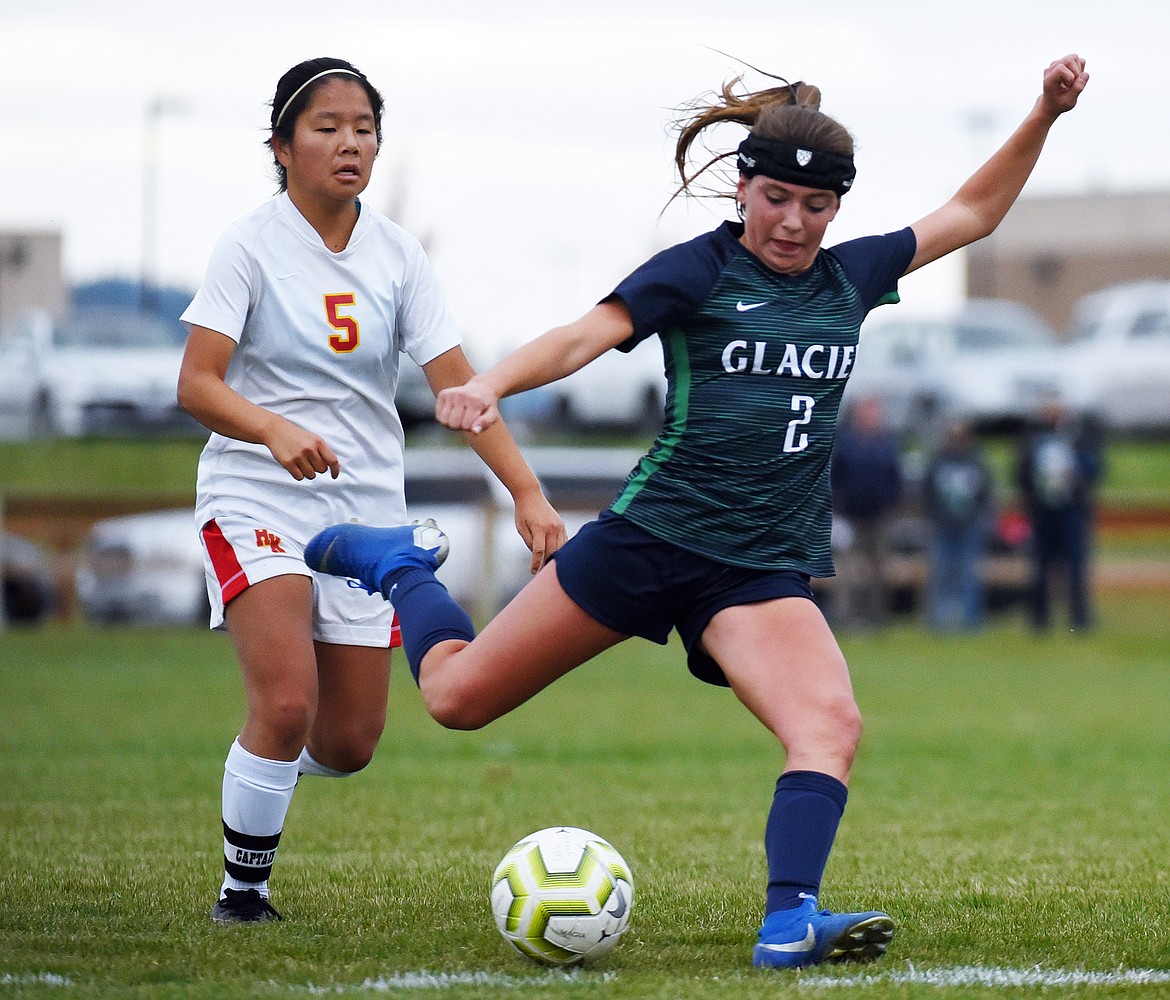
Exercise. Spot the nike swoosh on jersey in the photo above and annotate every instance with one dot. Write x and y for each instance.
(743, 307)
(807, 943)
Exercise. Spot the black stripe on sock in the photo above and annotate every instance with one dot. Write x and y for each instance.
(250, 841)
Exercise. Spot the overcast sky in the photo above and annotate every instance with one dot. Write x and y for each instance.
(526, 142)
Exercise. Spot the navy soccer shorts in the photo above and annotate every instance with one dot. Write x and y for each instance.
(638, 584)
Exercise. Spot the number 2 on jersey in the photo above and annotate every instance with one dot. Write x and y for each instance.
(349, 333)
(794, 441)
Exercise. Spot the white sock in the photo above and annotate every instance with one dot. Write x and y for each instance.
(256, 796)
(308, 764)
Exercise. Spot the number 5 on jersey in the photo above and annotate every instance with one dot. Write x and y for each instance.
(348, 335)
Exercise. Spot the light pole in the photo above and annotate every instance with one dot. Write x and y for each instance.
(158, 107)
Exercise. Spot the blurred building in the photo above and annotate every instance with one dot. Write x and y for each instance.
(1050, 251)
(30, 272)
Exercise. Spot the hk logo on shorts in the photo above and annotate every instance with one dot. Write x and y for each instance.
(265, 537)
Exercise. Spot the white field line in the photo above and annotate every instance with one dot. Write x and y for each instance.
(993, 976)
(34, 979)
(424, 979)
(942, 977)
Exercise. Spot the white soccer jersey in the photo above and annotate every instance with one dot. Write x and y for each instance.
(319, 336)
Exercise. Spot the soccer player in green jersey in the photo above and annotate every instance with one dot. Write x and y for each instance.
(722, 523)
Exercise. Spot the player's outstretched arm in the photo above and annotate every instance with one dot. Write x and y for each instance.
(474, 406)
(537, 522)
(982, 202)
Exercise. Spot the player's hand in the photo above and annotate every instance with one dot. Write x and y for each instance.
(473, 406)
(540, 526)
(302, 453)
(1063, 82)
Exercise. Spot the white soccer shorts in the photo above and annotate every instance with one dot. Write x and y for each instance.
(240, 550)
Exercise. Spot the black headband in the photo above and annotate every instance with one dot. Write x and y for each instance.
(795, 164)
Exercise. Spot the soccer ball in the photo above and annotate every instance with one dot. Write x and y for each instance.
(562, 896)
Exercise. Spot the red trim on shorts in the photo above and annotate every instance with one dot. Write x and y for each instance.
(395, 632)
(228, 570)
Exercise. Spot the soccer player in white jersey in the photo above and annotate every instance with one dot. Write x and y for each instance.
(291, 362)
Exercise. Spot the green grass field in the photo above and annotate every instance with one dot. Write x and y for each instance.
(1009, 808)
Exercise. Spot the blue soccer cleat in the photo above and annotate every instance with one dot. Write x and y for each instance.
(791, 939)
(367, 554)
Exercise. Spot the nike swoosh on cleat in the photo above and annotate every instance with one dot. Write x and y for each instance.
(743, 307)
(807, 943)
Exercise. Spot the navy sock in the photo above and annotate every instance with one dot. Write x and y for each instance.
(426, 611)
(806, 811)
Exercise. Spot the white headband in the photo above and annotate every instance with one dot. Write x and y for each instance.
(296, 93)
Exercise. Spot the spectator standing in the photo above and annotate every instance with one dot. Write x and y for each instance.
(959, 498)
(1057, 471)
(867, 484)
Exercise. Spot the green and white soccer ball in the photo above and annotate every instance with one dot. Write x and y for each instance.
(562, 896)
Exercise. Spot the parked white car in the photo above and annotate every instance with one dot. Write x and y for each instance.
(990, 361)
(96, 371)
(143, 569)
(1117, 357)
(618, 389)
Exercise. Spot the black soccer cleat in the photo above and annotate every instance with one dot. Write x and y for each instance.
(243, 906)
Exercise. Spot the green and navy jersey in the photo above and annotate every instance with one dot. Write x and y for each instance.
(756, 362)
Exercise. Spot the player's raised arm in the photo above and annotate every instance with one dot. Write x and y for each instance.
(982, 202)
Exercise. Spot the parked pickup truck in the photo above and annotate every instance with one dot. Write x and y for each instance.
(1117, 358)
